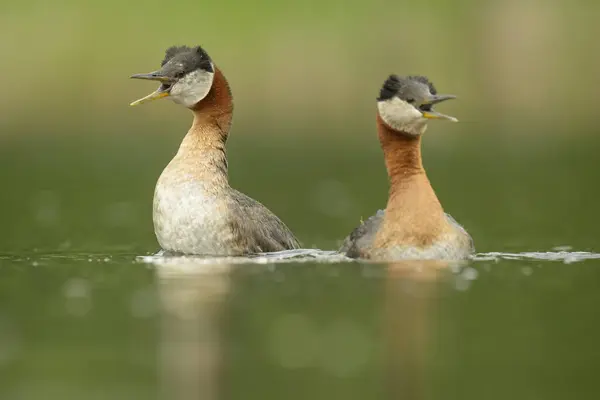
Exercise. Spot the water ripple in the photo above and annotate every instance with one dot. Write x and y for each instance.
(567, 257)
(285, 256)
(334, 257)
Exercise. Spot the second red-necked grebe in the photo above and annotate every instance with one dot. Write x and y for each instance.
(413, 224)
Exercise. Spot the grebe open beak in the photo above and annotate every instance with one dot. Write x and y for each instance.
(162, 91)
(427, 111)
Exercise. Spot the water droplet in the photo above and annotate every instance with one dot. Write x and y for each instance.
(469, 273)
(562, 248)
(77, 292)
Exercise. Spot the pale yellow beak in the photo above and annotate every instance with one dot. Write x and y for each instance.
(434, 99)
(159, 93)
(437, 115)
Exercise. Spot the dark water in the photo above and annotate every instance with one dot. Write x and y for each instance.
(82, 317)
(116, 327)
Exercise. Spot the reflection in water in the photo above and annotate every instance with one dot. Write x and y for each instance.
(410, 292)
(340, 347)
(191, 356)
(74, 329)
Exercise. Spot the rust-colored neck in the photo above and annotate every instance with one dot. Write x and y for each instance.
(217, 107)
(413, 212)
(202, 152)
(401, 152)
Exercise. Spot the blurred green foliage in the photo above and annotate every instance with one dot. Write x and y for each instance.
(79, 165)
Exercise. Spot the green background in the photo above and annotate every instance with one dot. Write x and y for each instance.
(78, 169)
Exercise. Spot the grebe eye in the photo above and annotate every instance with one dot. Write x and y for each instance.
(410, 101)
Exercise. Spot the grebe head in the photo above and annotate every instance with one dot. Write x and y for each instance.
(186, 75)
(406, 103)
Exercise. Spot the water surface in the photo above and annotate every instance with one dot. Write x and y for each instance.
(298, 325)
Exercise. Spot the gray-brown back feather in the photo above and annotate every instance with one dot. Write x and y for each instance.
(362, 236)
(256, 228)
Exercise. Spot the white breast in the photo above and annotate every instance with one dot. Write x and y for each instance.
(191, 218)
